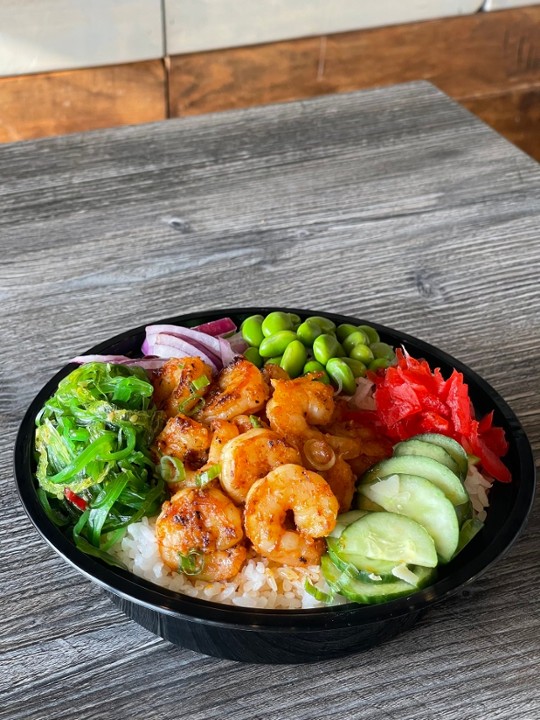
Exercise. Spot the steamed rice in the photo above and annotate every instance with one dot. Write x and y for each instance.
(260, 584)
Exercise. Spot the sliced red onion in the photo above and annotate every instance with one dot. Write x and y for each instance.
(223, 326)
(202, 339)
(216, 348)
(237, 342)
(147, 363)
(167, 346)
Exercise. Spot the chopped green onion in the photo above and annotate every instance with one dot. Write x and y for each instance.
(200, 383)
(255, 422)
(192, 563)
(172, 469)
(206, 476)
(315, 592)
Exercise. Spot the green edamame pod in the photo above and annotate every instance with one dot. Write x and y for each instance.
(379, 363)
(273, 360)
(361, 352)
(355, 338)
(343, 330)
(342, 375)
(295, 320)
(314, 366)
(371, 333)
(275, 344)
(294, 358)
(308, 332)
(326, 346)
(252, 354)
(357, 366)
(326, 325)
(276, 322)
(252, 331)
(382, 350)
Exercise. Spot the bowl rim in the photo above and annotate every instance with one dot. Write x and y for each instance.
(154, 597)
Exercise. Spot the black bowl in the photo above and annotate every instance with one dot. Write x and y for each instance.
(282, 636)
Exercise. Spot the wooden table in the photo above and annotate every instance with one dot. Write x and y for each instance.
(394, 205)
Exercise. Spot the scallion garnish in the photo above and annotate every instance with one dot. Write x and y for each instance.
(206, 476)
(172, 469)
(199, 383)
(192, 563)
(315, 592)
(255, 422)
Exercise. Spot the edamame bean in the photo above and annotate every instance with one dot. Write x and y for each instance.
(295, 320)
(382, 350)
(276, 322)
(343, 330)
(252, 331)
(325, 324)
(308, 332)
(326, 346)
(252, 354)
(275, 344)
(379, 363)
(342, 375)
(314, 366)
(294, 358)
(372, 334)
(362, 352)
(357, 366)
(355, 338)
(274, 360)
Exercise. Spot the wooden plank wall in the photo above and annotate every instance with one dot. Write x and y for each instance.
(489, 62)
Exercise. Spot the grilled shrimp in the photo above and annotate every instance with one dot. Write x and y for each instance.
(298, 404)
(290, 488)
(174, 391)
(205, 527)
(342, 481)
(222, 432)
(185, 439)
(239, 389)
(251, 456)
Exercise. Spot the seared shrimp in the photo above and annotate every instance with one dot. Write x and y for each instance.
(222, 432)
(251, 456)
(189, 441)
(371, 445)
(239, 389)
(205, 526)
(309, 497)
(342, 480)
(174, 391)
(298, 404)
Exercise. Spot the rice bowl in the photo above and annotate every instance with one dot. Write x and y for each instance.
(221, 627)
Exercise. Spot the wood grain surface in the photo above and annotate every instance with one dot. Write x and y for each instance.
(393, 205)
(488, 61)
(34, 106)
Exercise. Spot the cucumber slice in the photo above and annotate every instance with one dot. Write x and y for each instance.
(390, 536)
(345, 519)
(418, 499)
(464, 512)
(452, 447)
(427, 449)
(359, 565)
(469, 529)
(439, 475)
(363, 503)
(369, 592)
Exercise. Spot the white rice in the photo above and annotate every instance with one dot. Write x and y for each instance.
(261, 583)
